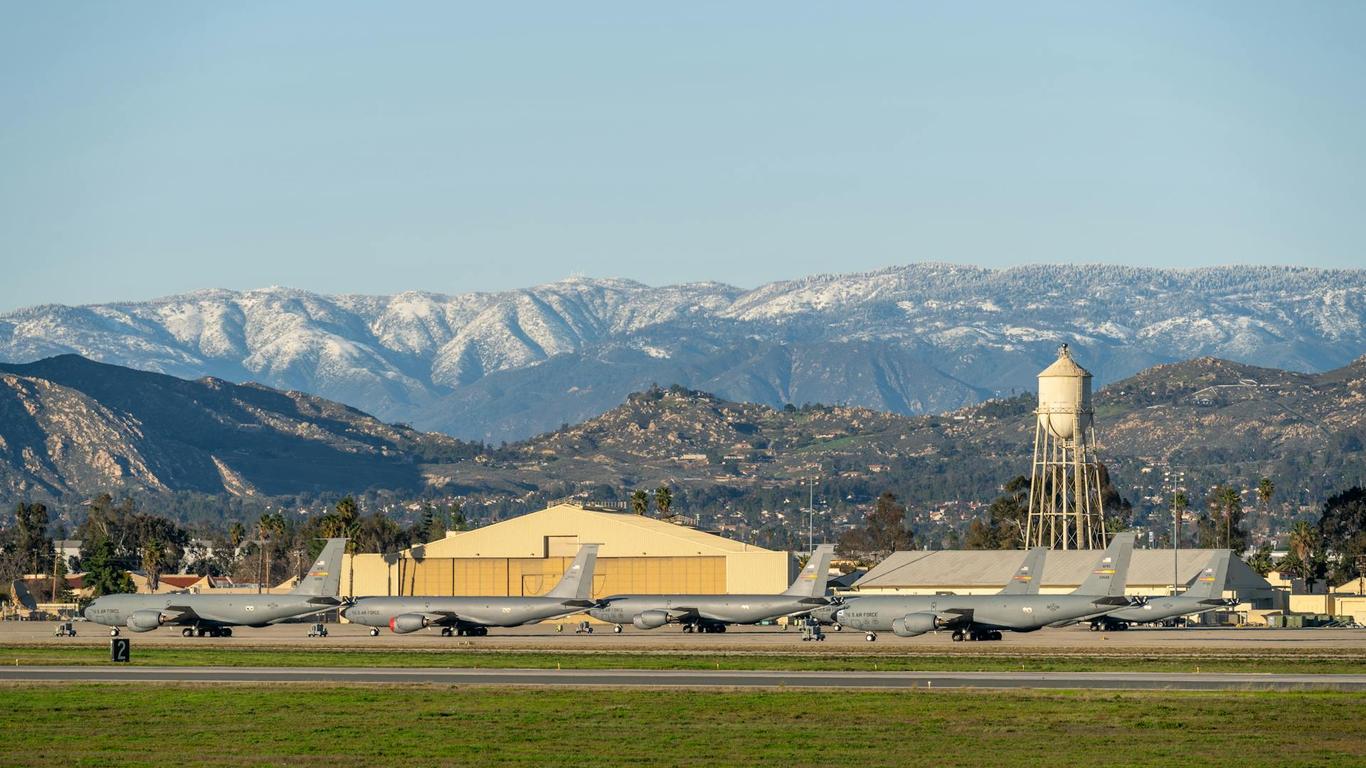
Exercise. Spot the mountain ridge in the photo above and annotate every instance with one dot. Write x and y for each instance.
(914, 339)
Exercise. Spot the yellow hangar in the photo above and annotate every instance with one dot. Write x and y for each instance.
(527, 555)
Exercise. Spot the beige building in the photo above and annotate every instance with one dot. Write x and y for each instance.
(527, 555)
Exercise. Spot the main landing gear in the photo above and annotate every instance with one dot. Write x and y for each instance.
(701, 627)
(209, 631)
(464, 631)
(1101, 625)
(976, 634)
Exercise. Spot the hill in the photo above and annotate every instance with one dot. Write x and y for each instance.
(72, 426)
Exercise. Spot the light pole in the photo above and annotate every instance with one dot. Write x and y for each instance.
(810, 514)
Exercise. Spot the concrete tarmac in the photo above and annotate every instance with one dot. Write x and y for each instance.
(655, 679)
(544, 637)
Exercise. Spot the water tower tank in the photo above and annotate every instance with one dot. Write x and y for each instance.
(1065, 397)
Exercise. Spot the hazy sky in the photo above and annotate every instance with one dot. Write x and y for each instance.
(151, 148)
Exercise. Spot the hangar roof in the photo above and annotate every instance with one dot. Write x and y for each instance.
(1062, 568)
(559, 529)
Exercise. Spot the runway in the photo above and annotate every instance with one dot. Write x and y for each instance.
(688, 678)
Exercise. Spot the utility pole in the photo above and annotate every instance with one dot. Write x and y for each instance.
(1178, 507)
(810, 514)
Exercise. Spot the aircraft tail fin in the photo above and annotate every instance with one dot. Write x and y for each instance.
(324, 576)
(22, 597)
(811, 581)
(577, 582)
(1210, 581)
(1026, 579)
(1111, 573)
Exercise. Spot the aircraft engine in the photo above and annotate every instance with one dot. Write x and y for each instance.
(913, 624)
(404, 623)
(144, 621)
(650, 619)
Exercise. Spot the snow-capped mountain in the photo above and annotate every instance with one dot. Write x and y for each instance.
(910, 339)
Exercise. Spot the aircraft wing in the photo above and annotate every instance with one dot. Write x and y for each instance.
(441, 618)
(953, 617)
(181, 614)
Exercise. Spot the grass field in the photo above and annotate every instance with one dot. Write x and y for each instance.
(124, 725)
(936, 661)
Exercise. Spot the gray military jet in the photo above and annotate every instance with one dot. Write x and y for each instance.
(711, 613)
(983, 617)
(1024, 582)
(473, 616)
(216, 615)
(1204, 593)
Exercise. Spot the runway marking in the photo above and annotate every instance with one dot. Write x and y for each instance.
(691, 678)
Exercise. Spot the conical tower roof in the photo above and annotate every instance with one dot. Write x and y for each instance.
(1065, 366)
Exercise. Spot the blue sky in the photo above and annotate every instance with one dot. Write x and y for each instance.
(152, 148)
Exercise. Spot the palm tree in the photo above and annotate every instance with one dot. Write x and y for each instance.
(236, 532)
(640, 502)
(1265, 489)
(1303, 537)
(664, 499)
(270, 527)
(153, 555)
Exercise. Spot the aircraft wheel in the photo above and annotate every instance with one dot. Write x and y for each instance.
(837, 627)
(617, 629)
(996, 634)
(227, 632)
(114, 632)
(483, 631)
(374, 631)
(870, 637)
(721, 628)
(957, 636)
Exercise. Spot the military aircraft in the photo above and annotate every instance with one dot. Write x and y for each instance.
(216, 615)
(473, 616)
(1204, 593)
(711, 613)
(983, 617)
(1024, 582)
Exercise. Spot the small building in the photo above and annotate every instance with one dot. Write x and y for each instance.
(527, 555)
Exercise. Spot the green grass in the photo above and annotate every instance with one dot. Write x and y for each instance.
(126, 725)
(926, 661)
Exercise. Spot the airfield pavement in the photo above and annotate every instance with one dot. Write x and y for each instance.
(653, 679)
(768, 640)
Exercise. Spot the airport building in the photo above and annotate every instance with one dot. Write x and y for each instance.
(527, 555)
(980, 572)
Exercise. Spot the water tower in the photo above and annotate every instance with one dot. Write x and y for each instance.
(1065, 510)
